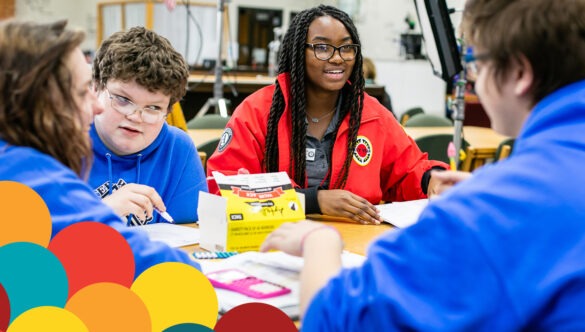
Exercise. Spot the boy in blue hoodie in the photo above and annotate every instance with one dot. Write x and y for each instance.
(141, 164)
(503, 250)
(46, 108)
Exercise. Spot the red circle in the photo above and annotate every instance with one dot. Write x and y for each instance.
(257, 317)
(362, 150)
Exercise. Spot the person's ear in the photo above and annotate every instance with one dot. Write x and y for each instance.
(523, 76)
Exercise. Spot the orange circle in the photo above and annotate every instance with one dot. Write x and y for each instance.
(106, 306)
(24, 216)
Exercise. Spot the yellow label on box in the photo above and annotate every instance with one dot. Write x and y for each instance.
(247, 236)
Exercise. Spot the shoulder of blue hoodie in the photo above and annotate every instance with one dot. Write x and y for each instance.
(170, 164)
(70, 200)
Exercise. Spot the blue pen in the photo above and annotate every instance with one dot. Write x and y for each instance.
(165, 215)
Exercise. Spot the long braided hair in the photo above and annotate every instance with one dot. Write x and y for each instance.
(292, 60)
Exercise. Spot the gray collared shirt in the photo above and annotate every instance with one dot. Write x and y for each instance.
(318, 154)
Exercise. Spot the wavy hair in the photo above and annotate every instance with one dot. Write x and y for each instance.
(37, 107)
(550, 34)
(145, 57)
(292, 60)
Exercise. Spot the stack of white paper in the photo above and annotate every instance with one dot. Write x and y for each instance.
(172, 234)
(402, 214)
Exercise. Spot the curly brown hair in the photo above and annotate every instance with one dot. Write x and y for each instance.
(37, 108)
(142, 56)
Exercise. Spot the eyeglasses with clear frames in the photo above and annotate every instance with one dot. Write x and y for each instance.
(471, 64)
(124, 106)
(326, 51)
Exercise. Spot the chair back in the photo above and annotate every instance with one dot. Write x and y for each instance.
(410, 113)
(208, 121)
(436, 146)
(428, 120)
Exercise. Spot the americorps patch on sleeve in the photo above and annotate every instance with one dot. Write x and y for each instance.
(225, 139)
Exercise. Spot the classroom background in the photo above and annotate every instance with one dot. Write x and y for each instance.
(249, 28)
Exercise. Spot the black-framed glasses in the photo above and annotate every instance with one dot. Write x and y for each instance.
(325, 51)
(123, 105)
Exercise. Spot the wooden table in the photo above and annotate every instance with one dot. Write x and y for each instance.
(249, 83)
(478, 137)
(484, 141)
(356, 236)
(200, 136)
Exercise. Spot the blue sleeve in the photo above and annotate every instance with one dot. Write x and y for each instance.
(189, 178)
(70, 200)
(415, 279)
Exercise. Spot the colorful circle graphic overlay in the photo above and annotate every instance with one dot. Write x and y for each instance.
(176, 293)
(92, 252)
(47, 319)
(110, 307)
(188, 327)
(24, 216)
(4, 309)
(32, 276)
(257, 317)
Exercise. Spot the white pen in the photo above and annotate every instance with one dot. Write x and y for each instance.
(165, 215)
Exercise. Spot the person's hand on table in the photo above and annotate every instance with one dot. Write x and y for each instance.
(292, 237)
(342, 203)
(444, 180)
(136, 199)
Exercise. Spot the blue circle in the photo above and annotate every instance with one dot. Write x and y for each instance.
(32, 276)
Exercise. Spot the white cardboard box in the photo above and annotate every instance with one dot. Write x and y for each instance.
(250, 208)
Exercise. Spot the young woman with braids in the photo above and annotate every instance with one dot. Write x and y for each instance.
(46, 108)
(340, 146)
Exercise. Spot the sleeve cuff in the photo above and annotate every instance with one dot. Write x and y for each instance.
(311, 202)
(426, 178)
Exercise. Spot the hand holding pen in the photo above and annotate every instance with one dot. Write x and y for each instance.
(137, 199)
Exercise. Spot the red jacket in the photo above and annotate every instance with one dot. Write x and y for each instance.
(387, 163)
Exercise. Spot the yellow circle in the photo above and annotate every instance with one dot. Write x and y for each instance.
(176, 293)
(47, 318)
(24, 216)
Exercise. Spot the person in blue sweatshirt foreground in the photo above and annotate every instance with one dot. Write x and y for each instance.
(140, 162)
(503, 250)
(46, 108)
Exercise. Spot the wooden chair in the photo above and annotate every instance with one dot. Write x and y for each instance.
(410, 113)
(475, 158)
(478, 157)
(504, 149)
(428, 120)
(203, 157)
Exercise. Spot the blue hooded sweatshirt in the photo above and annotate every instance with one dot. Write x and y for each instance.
(170, 165)
(502, 251)
(70, 200)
